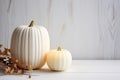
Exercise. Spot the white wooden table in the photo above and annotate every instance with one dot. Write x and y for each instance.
(80, 70)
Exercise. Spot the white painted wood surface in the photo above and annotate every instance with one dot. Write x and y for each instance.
(80, 70)
(88, 28)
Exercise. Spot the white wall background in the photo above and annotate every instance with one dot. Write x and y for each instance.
(90, 29)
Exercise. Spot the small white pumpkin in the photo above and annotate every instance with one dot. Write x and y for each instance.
(59, 60)
(29, 44)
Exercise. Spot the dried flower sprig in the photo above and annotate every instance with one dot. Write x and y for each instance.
(8, 65)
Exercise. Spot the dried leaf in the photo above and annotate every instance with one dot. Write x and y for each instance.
(12, 71)
(30, 68)
(0, 52)
(5, 52)
(1, 45)
(7, 69)
(16, 61)
(23, 66)
(15, 66)
(20, 71)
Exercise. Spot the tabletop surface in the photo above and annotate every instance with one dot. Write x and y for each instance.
(79, 70)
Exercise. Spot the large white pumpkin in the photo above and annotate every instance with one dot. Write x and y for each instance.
(29, 44)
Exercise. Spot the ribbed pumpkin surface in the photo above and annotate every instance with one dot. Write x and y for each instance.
(29, 45)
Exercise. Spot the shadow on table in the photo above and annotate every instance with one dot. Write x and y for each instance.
(47, 70)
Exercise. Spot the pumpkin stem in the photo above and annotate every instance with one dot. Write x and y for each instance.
(59, 48)
(31, 23)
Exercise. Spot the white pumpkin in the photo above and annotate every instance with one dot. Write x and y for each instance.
(59, 60)
(29, 44)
